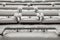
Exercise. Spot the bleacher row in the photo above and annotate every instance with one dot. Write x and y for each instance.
(29, 11)
(20, 11)
(29, 15)
(31, 4)
(32, 0)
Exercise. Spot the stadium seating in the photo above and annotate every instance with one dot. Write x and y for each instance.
(8, 19)
(28, 16)
(7, 15)
(50, 16)
(29, 19)
(7, 11)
